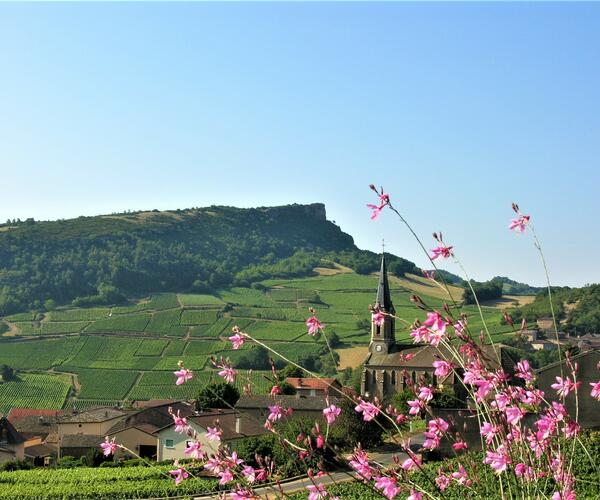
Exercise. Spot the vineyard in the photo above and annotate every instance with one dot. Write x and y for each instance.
(34, 391)
(107, 483)
(130, 351)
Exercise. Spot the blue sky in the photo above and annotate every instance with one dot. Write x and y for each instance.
(456, 109)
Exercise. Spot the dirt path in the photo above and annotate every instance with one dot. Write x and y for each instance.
(352, 356)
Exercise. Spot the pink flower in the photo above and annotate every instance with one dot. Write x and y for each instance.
(109, 447)
(183, 376)
(524, 371)
(316, 491)
(226, 476)
(276, 412)
(442, 481)
(331, 413)
(429, 274)
(488, 431)
(320, 441)
(388, 486)
(213, 464)
(442, 368)
(378, 318)
(461, 476)
(460, 445)
(237, 340)
(441, 251)
(514, 414)
(438, 426)
(497, 460)
(180, 474)
(411, 463)
(384, 199)
(214, 433)
(360, 463)
(180, 423)
(415, 495)
(595, 390)
(227, 371)
(369, 410)
(435, 321)
(425, 394)
(314, 325)
(194, 450)
(415, 406)
(420, 334)
(242, 494)
(432, 440)
(519, 224)
(564, 386)
(275, 390)
(249, 473)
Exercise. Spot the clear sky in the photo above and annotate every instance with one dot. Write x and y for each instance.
(456, 109)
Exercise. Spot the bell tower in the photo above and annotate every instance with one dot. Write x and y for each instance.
(383, 337)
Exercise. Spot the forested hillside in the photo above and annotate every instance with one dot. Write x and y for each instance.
(102, 259)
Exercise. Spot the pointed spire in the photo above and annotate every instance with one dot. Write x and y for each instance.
(383, 289)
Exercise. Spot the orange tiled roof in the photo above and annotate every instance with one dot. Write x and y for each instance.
(312, 383)
(16, 414)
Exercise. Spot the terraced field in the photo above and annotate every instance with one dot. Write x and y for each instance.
(129, 352)
(34, 391)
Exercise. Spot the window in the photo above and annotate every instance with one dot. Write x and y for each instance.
(169, 443)
(393, 378)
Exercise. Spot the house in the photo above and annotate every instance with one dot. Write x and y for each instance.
(391, 365)
(254, 410)
(172, 445)
(136, 432)
(314, 386)
(12, 444)
(36, 426)
(82, 432)
(589, 408)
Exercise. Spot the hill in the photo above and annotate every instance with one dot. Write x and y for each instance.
(102, 259)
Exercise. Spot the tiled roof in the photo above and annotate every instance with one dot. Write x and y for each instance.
(16, 414)
(99, 414)
(32, 425)
(313, 383)
(39, 450)
(293, 402)
(81, 441)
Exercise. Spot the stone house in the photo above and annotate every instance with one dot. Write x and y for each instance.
(12, 444)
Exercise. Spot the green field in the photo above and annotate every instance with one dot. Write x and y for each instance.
(130, 351)
(34, 390)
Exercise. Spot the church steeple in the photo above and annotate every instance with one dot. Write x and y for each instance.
(383, 337)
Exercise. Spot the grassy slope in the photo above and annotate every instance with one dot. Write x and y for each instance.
(130, 352)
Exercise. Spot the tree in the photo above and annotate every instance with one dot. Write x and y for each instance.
(8, 373)
(291, 371)
(217, 395)
(350, 428)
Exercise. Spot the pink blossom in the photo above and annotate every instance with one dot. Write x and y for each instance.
(435, 321)
(320, 441)
(213, 464)
(237, 340)
(488, 431)
(441, 251)
(388, 486)
(384, 199)
(415, 495)
(595, 390)
(369, 410)
(497, 460)
(183, 376)
(275, 390)
(460, 445)
(514, 414)
(420, 334)
(360, 463)
(378, 318)
(438, 425)
(226, 476)
(249, 473)
(429, 274)
(227, 372)
(461, 476)
(314, 325)
(194, 450)
(242, 494)
(316, 491)
(564, 386)
(214, 433)
(411, 463)
(275, 413)
(519, 224)
(442, 481)
(425, 394)
(524, 371)
(180, 474)
(432, 440)
(180, 423)
(109, 447)
(442, 368)
(415, 406)
(331, 413)
(460, 326)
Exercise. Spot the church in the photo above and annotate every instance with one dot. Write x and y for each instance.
(387, 370)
